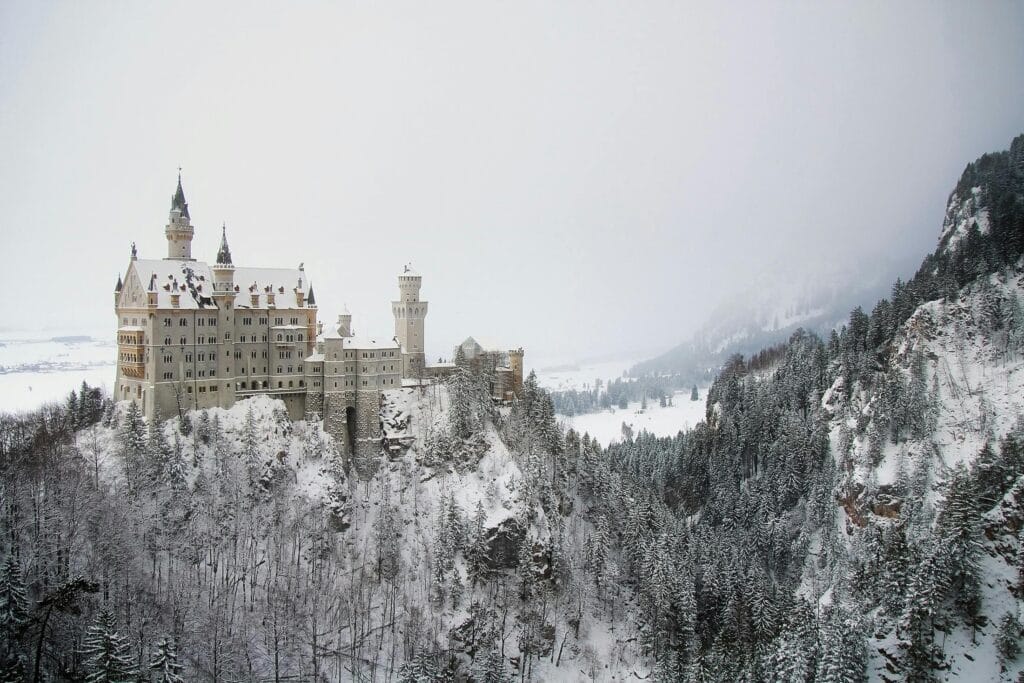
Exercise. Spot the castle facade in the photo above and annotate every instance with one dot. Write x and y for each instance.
(193, 335)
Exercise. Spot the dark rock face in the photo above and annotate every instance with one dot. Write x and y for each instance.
(503, 544)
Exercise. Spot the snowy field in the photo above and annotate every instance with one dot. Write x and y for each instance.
(606, 426)
(37, 368)
(580, 376)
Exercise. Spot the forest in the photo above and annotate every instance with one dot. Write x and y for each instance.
(820, 524)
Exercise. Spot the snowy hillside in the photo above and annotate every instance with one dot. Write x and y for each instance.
(969, 367)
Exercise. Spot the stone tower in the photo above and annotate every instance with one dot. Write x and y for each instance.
(515, 362)
(410, 314)
(223, 272)
(179, 227)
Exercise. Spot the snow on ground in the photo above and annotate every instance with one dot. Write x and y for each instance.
(24, 391)
(36, 368)
(606, 426)
(580, 375)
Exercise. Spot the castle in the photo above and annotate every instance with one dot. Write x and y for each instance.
(193, 335)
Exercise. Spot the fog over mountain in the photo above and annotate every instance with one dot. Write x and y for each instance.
(580, 179)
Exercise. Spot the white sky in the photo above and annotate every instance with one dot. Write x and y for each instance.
(574, 177)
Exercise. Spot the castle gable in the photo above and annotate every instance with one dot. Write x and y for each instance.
(132, 294)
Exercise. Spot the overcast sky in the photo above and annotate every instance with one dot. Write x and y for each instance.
(578, 178)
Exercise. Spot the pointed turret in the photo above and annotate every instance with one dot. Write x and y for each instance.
(179, 229)
(223, 270)
(120, 285)
(178, 202)
(311, 300)
(224, 253)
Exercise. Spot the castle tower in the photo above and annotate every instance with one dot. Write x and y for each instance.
(179, 227)
(515, 362)
(410, 314)
(223, 272)
(345, 323)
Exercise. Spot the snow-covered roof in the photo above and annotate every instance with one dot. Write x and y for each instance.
(193, 282)
(368, 343)
(264, 281)
(473, 345)
(315, 358)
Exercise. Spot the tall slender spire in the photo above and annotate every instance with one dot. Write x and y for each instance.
(224, 253)
(178, 202)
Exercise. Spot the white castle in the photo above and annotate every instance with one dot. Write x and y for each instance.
(192, 335)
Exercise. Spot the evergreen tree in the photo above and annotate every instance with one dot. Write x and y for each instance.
(164, 663)
(694, 396)
(107, 653)
(492, 668)
(13, 619)
(132, 443)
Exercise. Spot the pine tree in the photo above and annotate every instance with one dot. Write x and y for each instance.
(250, 439)
(164, 663)
(132, 443)
(107, 653)
(492, 668)
(843, 650)
(13, 618)
(694, 396)
(477, 546)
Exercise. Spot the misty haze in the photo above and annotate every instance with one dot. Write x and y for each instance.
(485, 342)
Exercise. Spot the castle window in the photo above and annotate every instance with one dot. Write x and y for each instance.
(167, 341)
(290, 384)
(279, 321)
(183, 322)
(302, 383)
(200, 322)
(188, 374)
(278, 337)
(300, 337)
(243, 369)
(280, 384)
(167, 322)
(202, 390)
(253, 354)
(263, 321)
(227, 336)
(279, 369)
(213, 388)
(189, 389)
(213, 322)
(295, 321)
(188, 357)
(242, 385)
